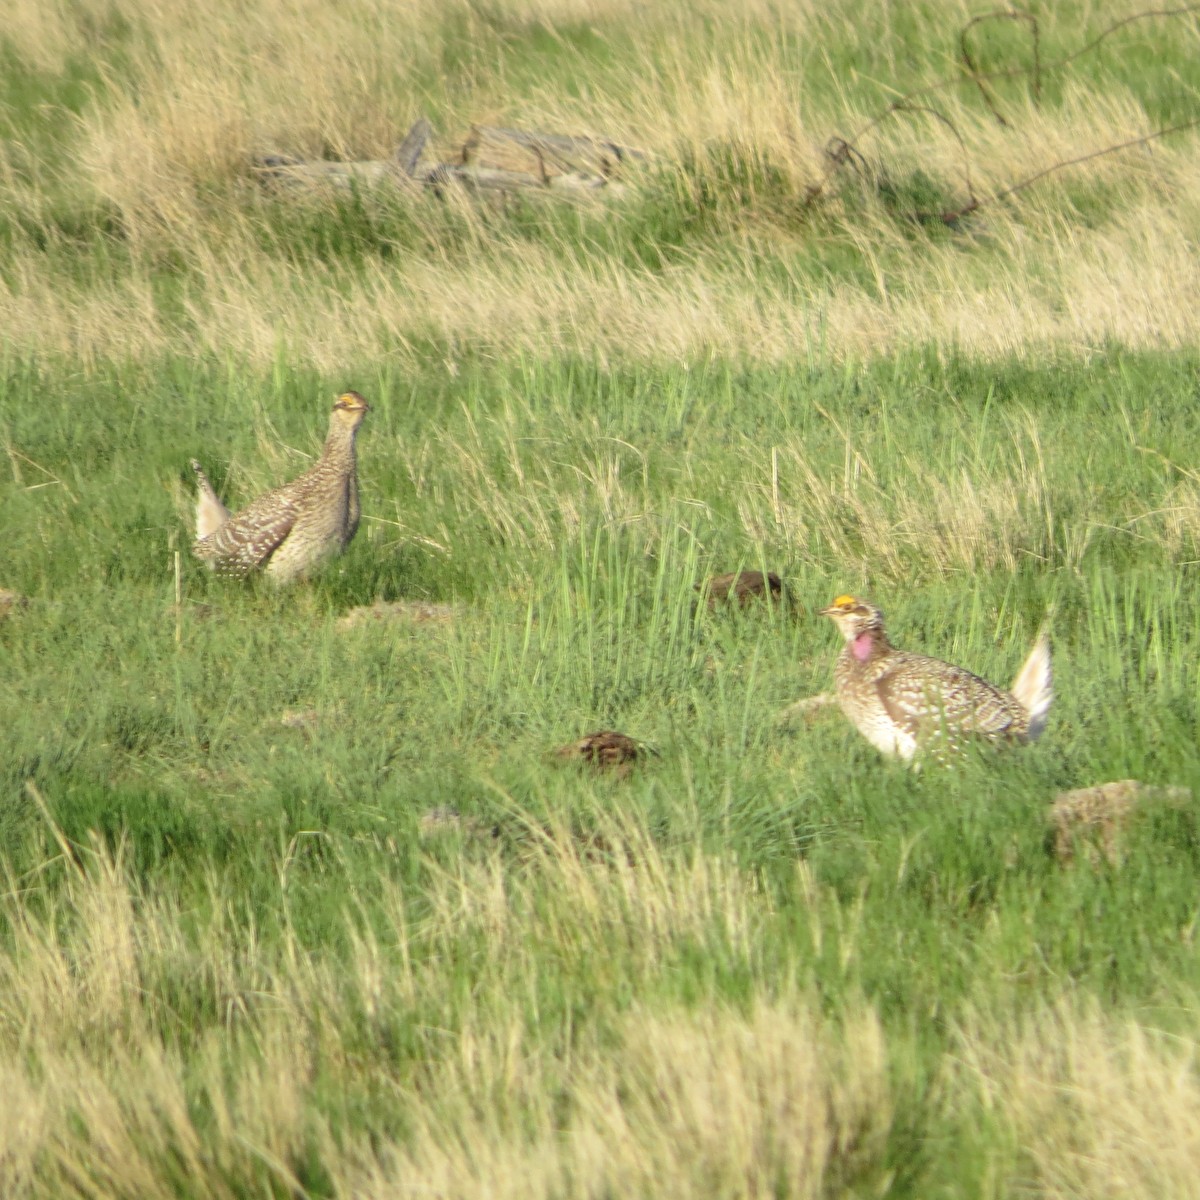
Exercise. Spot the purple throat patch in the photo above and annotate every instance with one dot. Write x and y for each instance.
(861, 646)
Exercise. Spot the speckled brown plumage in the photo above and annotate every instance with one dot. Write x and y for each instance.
(605, 750)
(740, 587)
(903, 702)
(289, 531)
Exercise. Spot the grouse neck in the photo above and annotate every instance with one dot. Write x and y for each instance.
(867, 643)
(339, 444)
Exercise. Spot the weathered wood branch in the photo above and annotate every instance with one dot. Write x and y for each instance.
(295, 172)
(409, 152)
(493, 161)
(494, 179)
(544, 154)
(374, 173)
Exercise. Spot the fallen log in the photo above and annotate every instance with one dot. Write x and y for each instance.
(494, 179)
(493, 160)
(545, 155)
(409, 152)
(387, 173)
(291, 172)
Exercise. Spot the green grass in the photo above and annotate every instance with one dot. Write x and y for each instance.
(574, 507)
(237, 955)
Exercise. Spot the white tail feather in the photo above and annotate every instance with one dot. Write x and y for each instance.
(1034, 685)
(211, 514)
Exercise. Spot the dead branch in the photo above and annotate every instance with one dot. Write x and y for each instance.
(409, 152)
(475, 179)
(493, 161)
(544, 154)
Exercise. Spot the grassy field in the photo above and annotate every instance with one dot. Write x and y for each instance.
(240, 954)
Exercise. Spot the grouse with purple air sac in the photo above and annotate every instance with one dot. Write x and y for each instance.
(903, 703)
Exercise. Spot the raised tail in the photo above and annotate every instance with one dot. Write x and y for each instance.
(1034, 685)
(211, 514)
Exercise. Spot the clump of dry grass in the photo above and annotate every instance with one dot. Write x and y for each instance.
(917, 521)
(725, 1103)
(618, 886)
(109, 1087)
(536, 500)
(148, 1047)
(164, 147)
(1097, 1106)
(685, 1104)
(1176, 520)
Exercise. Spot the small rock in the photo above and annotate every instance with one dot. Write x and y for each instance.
(445, 818)
(11, 601)
(1104, 810)
(401, 610)
(306, 719)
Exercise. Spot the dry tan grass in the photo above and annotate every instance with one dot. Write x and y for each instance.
(617, 887)
(684, 1105)
(1176, 520)
(918, 521)
(145, 1050)
(1097, 1106)
(969, 521)
(535, 502)
(146, 1046)
(211, 89)
(1122, 285)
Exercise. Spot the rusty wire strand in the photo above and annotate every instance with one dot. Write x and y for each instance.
(841, 151)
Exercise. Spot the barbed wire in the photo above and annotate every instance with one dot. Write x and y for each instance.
(840, 151)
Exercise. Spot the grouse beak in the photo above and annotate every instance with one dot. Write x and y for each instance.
(840, 607)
